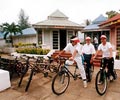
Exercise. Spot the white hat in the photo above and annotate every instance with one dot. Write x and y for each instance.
(87, 38)
(103, 36)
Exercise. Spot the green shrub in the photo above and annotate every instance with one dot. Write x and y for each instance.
(20, 44)
(39, 51)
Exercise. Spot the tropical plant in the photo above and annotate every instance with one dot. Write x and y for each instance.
(9, 30)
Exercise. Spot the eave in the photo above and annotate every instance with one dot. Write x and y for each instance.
(110, 23)
(57, 27)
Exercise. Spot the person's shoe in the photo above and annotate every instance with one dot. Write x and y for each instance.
(85, 84)
(111, 79)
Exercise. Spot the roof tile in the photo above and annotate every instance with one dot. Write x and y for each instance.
(111, 19)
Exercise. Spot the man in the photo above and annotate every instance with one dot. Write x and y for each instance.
(95, 43)
(75, 49)
(106, 49)
(88, 51)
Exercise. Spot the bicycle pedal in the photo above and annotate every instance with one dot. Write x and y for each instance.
(46, 74)
(111, 80)
(75, 77)
(79, 76)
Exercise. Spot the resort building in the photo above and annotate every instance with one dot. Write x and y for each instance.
(93, 30)
(114, 25)
(55, 32)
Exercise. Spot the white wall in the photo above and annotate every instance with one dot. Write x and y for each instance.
(81, 36)
(2, 42)
(25, 39)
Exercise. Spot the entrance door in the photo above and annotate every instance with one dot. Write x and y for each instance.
(62, 39)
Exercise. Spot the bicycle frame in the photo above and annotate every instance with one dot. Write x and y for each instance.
(64, 68)
(74, 75)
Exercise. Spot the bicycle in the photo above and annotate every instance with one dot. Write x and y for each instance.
(41, 66)
(17, 67)
(61, 80)
(8, 64)
(102, 78)
(25, 64)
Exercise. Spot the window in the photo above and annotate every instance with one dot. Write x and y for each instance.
(55, 40)
(70, 34)
(118, 38)
(39, 37)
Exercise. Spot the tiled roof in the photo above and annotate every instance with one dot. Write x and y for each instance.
(111, 19)
(57, 22)
(29, 31)
(95, 23)
(57, 19)
(91, 26)
(99, 19)
(56, 14)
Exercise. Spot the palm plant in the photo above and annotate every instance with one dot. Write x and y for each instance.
(10, 30)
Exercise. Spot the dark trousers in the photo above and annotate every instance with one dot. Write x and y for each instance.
(87, 58)
(96, 46)
(110, 65)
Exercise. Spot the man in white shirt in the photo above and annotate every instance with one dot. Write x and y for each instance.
(75, 49)
(88, 51)
(106, 49)
(96, 43)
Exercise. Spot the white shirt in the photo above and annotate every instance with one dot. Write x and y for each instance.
(95, 40)
(105, 49)
(88, 49)
(70, 48)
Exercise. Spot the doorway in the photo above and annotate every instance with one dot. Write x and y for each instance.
(62, 39)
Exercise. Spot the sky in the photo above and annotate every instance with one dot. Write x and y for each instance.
(38, 10)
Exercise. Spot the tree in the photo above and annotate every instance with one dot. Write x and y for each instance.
(9, 30)
(23, 20)
(87, 22)
(111, 13)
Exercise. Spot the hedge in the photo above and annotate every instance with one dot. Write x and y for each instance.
(39, 51)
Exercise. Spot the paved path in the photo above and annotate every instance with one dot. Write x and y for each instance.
(40, 89)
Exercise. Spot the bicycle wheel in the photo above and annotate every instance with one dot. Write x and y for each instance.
(60, 82)
(29, 80)
(101, 83)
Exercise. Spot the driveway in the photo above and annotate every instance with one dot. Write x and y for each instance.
(40, 89)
